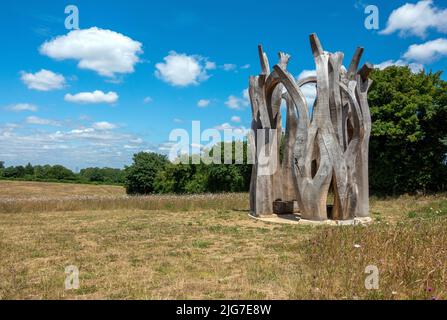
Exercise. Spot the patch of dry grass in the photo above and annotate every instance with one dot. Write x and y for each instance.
(153, 202)
(21, 197)
(411, 259)
(174, 249)
(26, 190)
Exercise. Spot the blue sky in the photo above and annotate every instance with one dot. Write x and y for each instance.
(138, 69)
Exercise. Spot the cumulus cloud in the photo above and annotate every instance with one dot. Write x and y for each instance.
(309, 90)
(245, 66)
(181, 70)
(104, 125)
(42, 122)
(202, 103)
(96, 96)
(310, 93)
(427, 52)
(83, 147)
(103, 51)
(415, 67)
(209, 65)
(237, 103)
(306, 74)
(235, 130)
(416, 19)
(44, 80)
(224, 126)
(229, 67)
(236, 119)
(22, 107)
(234, 102)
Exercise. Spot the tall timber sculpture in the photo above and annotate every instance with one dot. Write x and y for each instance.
(325, 145)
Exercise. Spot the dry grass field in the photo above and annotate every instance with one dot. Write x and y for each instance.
(192, 247)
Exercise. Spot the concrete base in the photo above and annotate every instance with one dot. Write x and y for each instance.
(296, 220)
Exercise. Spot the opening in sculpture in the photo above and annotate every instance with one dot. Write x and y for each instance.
(325, 145)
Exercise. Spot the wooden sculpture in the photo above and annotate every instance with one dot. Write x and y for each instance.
(325, 148)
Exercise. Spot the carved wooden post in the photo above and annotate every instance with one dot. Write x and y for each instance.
(265, 137)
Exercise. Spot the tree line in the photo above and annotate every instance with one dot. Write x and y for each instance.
(408, 148)
(58, 173)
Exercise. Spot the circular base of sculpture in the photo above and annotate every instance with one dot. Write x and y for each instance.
(296, 220)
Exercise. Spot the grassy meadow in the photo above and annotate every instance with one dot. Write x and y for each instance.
(206, 247)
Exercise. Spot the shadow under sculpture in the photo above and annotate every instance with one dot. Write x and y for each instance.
(325, 148)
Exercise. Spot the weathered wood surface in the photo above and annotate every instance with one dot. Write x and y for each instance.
(323, 152)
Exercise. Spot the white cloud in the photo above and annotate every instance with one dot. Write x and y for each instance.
(181, 70)
(416, 19)
(44, 80)
(104, 51)
(427, 52)
(415, 67)
(306, 74)
(23, 107)
(209, 65)
(310, 93)
(41, 121)
(234, 102)
(237, 103)
(229, 67)
(148, 100)
(236, 131)
(202, 103)
(224, 126)
(177, 120)
(136, 141)
(92, 97)
(236, 119)
(196, 146)
(84, 147)
(245, 66)
(309, 90)
(81, 131)
(246, 96)
(104, 125)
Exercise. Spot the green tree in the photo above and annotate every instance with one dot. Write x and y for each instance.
(181, 178)
(59, 172)
(92, 174)
(103, 175)
(140, 176)
(42, 172)
(29, 169)
(409, 114)
(14, 172)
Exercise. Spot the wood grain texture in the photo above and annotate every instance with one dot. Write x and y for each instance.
(325, 150)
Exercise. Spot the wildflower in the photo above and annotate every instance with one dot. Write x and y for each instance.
(357, 246)
(394, 293)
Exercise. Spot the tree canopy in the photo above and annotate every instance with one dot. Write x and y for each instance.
(407, 148)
